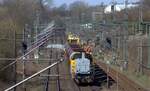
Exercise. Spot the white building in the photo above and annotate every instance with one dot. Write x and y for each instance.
(117, 8)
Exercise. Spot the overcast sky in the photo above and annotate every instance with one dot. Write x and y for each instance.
(90, 2)
(1, 1)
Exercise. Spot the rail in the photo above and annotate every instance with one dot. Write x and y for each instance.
(23, 81)
(125, 82)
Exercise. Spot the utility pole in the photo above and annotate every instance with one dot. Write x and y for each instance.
(140, 52)
(149, 47)
(140, 16)
(114, 37)
(15, 66)
(23, 67)
(28, 37)
(113, 6)
(36, 55)
(103, 13)
(125, 64)
(24, 50)
(49, 71)
(57, 56)
(140, 42)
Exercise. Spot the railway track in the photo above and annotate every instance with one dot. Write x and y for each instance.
(66, 83)
(124, 83)
(57, 38)
(69, 84)
(98, 84)
(58, 78)
(50, 79)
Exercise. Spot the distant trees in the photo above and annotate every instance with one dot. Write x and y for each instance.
(78, 11)
(146, 9)
(22, 11)
(14, 14)
(146, 3)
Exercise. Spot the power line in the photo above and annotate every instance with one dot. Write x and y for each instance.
(38, 44)
(36, 74)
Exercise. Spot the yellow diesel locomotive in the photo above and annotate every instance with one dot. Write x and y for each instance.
(80, 62)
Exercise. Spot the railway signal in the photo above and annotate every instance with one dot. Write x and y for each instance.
(24, 46)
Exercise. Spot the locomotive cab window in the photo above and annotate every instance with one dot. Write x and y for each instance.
(76, 56)
(73, 41)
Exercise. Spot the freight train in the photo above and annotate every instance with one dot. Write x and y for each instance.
(80, 62)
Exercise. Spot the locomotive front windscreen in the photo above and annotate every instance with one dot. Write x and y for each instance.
(74, 41)
(76, 56)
